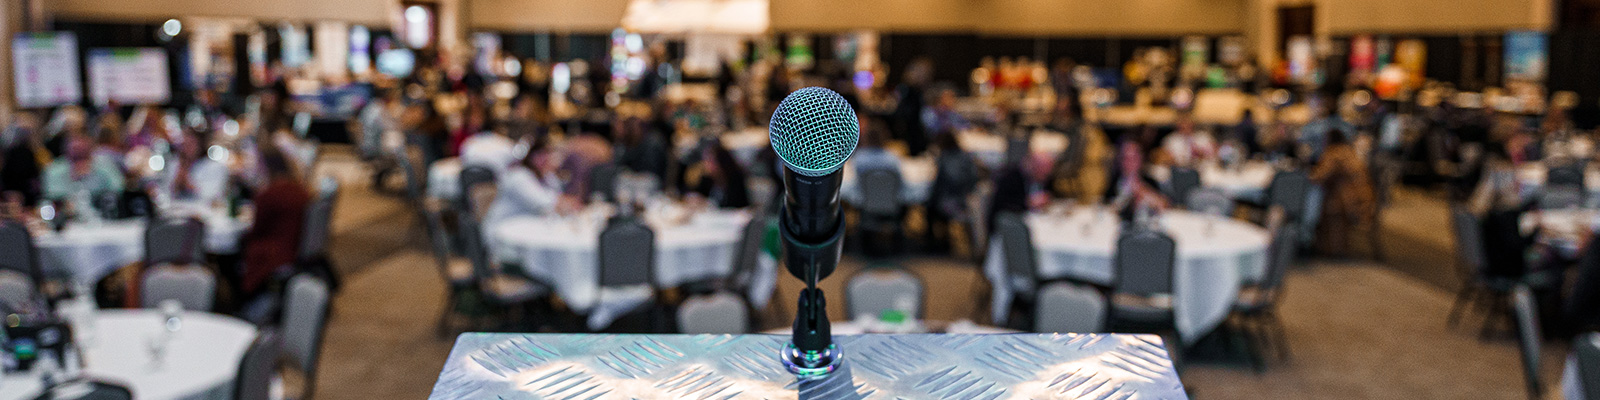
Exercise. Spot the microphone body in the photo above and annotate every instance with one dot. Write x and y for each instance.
(814, 131)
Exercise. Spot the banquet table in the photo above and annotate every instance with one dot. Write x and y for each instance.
(563, 251)
(1216, 255)
(1532, 177)
(916, 181)
(1564, 228)
(990, 149)
(200, 362)
(1246, 181)
(88, 251)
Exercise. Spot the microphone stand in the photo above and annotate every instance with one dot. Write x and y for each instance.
(812, 227)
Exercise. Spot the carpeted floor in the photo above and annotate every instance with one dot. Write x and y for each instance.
(1356, 329)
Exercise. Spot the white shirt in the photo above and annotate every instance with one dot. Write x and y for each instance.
(489, 150)
(210, 180)
(522, 193)
(1182, 147)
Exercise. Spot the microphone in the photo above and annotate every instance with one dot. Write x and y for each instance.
(813, 131)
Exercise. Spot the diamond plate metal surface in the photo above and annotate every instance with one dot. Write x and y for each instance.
(986, 367)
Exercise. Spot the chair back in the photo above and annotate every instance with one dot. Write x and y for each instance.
(17, 291)
(470, 231)
(1280, 255)
(1066, 307)
(1528, 336)
(721, 313)
(1017, 148)
(1558, 197)
(174, 240)
(86, 390)
(409, 160)
(17, 244)
(603, 181)
(627, 253)
(438, 243)
(305, 318)
(192, 285)
(873, 290)
(1470, 258)
(478, 188)
(749, 252)
(1209, 201)
(1016, 243)
(258, 366)
(880, 192)
(1569, 174)
(1587, 351)
(1144, 263)
(317, 230)
(1288, 190)
(1181, 183)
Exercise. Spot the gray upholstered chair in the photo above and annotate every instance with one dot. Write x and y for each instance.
(17, 291)
(1288, 189)
(478, 187)
(86, 390)
(873, 290)
(1142, 283)
(880, 206)
(1181, 182)
(458, 275)
(259, 367)
(714, 313)
(627, 253)
(1069, 308)
(501, 289)
(316, 231)
(1558, 197)
(603, 181)
(192, 285)
(1528, 337)
(305, 319)
(17, 244)
(1255, 315)
(1587, 350)
(1021, 269)
(174, 240)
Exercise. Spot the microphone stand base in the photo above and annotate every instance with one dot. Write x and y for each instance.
(811, 364)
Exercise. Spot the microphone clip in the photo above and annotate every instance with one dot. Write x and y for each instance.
(811, 352)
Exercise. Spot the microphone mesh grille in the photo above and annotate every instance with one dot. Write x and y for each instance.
(814, 130)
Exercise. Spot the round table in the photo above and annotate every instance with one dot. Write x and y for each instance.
(562, 251)
(1215, 255)
(201, 360)
(1246, 181)
(87, 252)
(1563, 228)
(916, 181)
(1532, 176)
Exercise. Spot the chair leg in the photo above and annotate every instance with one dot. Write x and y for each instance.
(1463, 298)
(1280, 338)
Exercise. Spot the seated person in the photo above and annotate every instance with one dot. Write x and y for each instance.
(1186, 146)
(80, 171)
(274, 238)
(488, 148)
(530, 188)
(1132, 193)
(870, 154)
(722, 179)
(193, 176)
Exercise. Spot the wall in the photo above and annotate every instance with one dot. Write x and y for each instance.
(1433, 16)
(1013, 17)
(355, 11)
(543, 15)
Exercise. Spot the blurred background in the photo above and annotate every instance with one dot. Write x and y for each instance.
(296, 198)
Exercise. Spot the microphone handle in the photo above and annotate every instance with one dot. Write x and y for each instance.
(812, 205)
(812, 228)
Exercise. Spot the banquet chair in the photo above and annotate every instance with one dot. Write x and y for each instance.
(722, 313)
(1529, 337)
(1142, 280)
(174, 240)
(191, 285)
(1182, 182)
(1209, 201)
(86, 390)
(1288, 189)
(955, 180)
(258, 368)
(478, 188)
(458, 275)
(603, 182)
(1254, 314)
(627, 258)
(1066, 307)
(745, 259)
(16, 291)
(1021, 269)
(305, 319)
(1559, 197)
(874, 290)
(22, 258)
(1569, 174)
(315, 234)
(880, 208)
(504, 291)
(1471, 262)
(1586, 350)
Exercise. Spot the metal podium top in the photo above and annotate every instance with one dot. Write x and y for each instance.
(1013, 366)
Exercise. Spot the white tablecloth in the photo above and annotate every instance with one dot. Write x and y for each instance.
(201, 361)
(444, 179)
(87, 253)
(1247, 181)
(990, 149)
(1563, 228)
(1532, 177)
(562, 251)
(1214, 256)
(916, 181)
